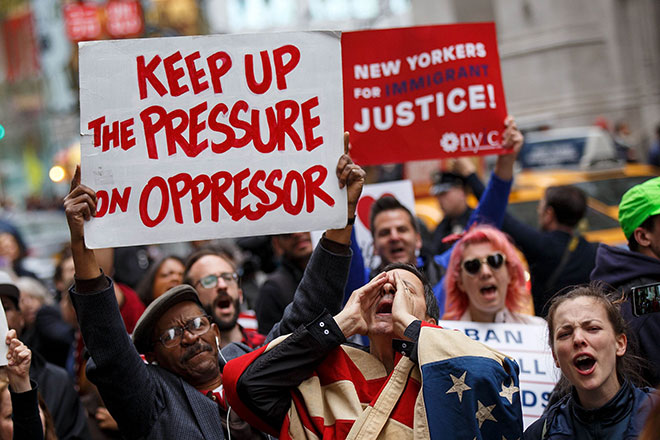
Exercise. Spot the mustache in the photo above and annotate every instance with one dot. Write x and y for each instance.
(194, 350)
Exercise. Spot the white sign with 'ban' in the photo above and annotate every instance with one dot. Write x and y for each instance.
(192, 138)
(527, 344)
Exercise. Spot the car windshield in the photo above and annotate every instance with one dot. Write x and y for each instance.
(526, 212)
(610, 191)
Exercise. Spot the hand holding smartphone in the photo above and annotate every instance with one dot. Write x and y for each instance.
(645, 299)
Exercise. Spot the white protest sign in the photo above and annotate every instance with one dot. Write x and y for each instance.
(402, 190)
(3, 331)
(528, 345)
(192, 138)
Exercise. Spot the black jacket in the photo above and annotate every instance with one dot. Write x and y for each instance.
(25, 414)
(61, 398)
(50, 335)
(448, 226)
(276, 293)
(622, 417)
(623, 270)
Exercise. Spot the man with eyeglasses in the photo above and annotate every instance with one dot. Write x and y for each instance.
(214, 277)
(179, 393)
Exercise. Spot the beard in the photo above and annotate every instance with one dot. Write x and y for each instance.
(224, 324)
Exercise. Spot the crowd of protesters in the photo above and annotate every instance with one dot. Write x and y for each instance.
(260, 338)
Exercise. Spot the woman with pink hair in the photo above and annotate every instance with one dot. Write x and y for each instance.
(485, 280)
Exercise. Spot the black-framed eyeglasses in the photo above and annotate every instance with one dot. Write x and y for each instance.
(473, 266)
(196, 326)
(211, 281)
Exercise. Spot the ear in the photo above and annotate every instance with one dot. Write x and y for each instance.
(418, 241)
(549, 214)
(459, 282)
(431, 320)
(621, 344)
(641, 236)
(215, 330)
(554, 357)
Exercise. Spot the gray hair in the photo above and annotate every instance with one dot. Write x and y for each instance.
(32, 287)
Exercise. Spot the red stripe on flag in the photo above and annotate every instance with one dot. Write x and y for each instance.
(403, 411)
(338, 366)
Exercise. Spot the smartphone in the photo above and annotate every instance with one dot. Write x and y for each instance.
(645, 299)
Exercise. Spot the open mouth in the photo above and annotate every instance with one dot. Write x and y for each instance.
(584, 363)
(385, 305)
(223, 303)
(489, 291)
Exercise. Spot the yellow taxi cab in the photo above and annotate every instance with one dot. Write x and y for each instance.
(603, 188)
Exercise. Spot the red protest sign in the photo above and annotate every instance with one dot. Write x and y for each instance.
(427, 92)
(82, 20)
(124, 18)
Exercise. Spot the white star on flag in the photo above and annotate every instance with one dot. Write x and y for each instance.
(508, 392)
(484, 413)
(459, 386)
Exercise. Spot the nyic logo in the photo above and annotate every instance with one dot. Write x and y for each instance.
(451, 142)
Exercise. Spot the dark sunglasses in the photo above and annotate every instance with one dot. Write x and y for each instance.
(495, 261)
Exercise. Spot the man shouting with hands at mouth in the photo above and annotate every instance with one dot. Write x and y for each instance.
(417, 380)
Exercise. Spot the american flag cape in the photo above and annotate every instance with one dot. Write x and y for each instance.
(461, 389)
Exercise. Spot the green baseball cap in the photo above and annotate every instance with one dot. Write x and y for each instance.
(639, 203)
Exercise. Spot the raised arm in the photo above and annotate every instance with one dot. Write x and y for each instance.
(115, 366)
(351, 177)
(19, 358)
(322, 285)
(492, 205)
(27, 423)
(525, 236)
(80, 206)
